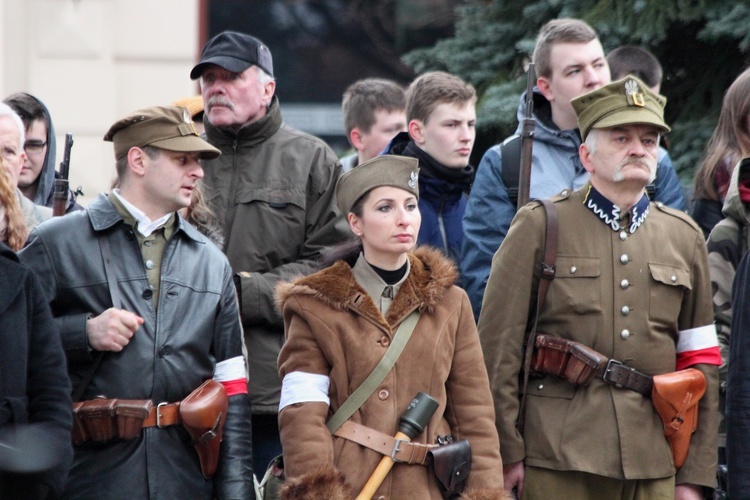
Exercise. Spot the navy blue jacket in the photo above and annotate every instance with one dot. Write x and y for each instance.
(442, 198)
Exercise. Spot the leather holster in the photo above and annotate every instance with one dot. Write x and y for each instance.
(203, 413)
(675, 397)
(451, 464)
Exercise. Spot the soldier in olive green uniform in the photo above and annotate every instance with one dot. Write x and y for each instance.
(631, 283)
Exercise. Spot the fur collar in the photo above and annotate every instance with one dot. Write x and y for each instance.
(431, 276)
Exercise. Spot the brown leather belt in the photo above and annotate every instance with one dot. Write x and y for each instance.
(624, 377)
(163, 415)
(398, 449)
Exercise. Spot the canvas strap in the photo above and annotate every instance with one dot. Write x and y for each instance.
(365, 390)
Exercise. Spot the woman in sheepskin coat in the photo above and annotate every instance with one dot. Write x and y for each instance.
(339, 323)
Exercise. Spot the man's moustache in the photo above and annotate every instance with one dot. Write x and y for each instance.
(219, 101)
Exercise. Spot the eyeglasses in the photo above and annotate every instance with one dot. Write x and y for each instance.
(34, 147)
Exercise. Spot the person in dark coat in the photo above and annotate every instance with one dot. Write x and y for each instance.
(441, 115)
(35, 416)
(147, 311)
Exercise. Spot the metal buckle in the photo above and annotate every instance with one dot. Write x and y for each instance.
(396, 449)
(608, 371)
(158, 414)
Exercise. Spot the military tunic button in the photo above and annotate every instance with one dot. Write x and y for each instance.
(624, 284)
(624, 259)
(385, 341)
(573, 269)
(383, 394)
(623, 235)
(673, 279)
(147, 294)
(148, 243)
(540, 386)
(625, 334)
(660, 204)
(149, 264)
(625, 310)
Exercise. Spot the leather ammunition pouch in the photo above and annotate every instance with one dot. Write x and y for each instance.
(203, 413)
(451, 463)
(675, 397)
(565, 359)
(101, 420)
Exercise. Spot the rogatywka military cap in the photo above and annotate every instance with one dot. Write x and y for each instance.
(627, 101)
(234, 52)
(386, 170)
(166, 127)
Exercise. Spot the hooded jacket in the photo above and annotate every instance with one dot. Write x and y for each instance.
(272, 191)
(727, 243)
(48, 174)
(335, 331)
(555, 166)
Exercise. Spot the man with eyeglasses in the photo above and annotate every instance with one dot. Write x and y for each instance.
(37, 177)
(12, 139)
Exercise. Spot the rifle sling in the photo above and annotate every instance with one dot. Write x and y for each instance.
(547, 275)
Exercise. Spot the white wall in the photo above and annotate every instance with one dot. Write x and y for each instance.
(92, 62)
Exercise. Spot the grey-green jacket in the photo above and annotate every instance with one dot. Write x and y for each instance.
(728, 242)
(272, 191)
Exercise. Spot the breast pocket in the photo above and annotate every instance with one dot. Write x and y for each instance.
(576, 288)
(666, 290)
(273, 219)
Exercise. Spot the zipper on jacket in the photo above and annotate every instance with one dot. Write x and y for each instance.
(231, 210)
(441, 226)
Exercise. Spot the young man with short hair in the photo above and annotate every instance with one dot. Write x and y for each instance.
(374, 112)
(147, 312)
(569, 62)
(637, 61)
(440, 108)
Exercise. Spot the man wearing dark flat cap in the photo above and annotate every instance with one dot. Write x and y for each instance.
(631, 283)
(148, 316)
(272, 191)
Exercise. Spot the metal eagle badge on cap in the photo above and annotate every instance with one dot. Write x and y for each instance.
(413, 180)
(189, 127)
(635, 96)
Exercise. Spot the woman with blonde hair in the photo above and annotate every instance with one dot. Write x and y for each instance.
(13, 230)
(339, 324)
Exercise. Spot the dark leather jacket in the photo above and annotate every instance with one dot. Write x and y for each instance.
(171, 354)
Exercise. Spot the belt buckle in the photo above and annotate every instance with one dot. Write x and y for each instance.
(158, 414)
(608, 370)
(396, 449)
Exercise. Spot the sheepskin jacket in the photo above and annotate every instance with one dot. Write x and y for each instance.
(334, 330)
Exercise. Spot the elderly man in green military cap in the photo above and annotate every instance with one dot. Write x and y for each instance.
(629, 281)
(147, 312)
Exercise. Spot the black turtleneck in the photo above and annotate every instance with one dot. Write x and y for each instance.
(390, 277)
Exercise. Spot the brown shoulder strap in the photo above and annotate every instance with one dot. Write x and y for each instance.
(547, 275)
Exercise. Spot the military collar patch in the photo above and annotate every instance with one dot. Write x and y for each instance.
(610, 214)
